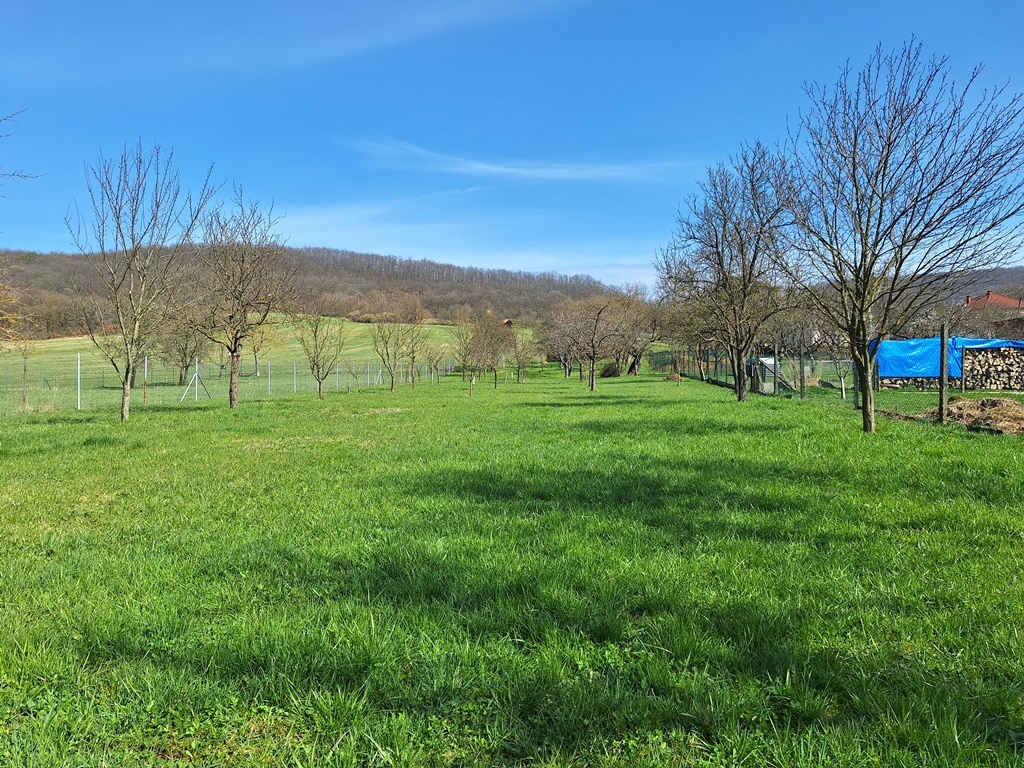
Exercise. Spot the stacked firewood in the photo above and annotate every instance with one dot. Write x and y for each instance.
(994, 368)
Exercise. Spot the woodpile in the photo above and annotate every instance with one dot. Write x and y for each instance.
(922, 385)
(994, 368)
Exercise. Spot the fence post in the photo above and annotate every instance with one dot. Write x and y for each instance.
(268, 378)
(803, 378)
(295, 377)
(944, 372)
(775, 365)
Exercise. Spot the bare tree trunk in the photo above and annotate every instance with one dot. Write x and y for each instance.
(739, 374)
(126, 395)
(235, 367)
(593, 375)
(320, 389)
(867, 394)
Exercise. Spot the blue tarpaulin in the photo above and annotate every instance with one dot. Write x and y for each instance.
(919, 358)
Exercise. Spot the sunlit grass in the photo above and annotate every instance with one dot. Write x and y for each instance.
(56, 366)
(650, 574)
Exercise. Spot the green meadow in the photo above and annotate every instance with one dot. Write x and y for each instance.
(51, 372)
(647, 575)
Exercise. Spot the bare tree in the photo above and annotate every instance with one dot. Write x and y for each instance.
(387, 338)
(261, 336)
(558, 340)
(136, 238)
(462, 344)
(524, 351)
(321, 338)
(177, 342)
(492, 341)
(396, 329)
(639, 326)
(26, 346)
(10, 319)
(246, 280)
(434, 355)
(901, 183)
(415, 335)
(589, 329)
(354, 371)
(724, 253)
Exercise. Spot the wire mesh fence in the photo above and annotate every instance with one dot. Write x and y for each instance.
(814, 377)
(49, 383)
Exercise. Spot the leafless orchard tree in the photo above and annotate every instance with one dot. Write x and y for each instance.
(321, 338)
(397, 328)
(246, 280)
(588, 328)
(136, 238)
(415, 336)
(257, 342)
(557, 338)
(386, 338)
(178, 343)
(10, 319)
(434, 355)
(491, 342)
(900, 184)
(638, 320)
(462, 345)
(724, 253)
(524, 351)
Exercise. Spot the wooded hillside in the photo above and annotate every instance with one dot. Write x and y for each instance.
(343, 278)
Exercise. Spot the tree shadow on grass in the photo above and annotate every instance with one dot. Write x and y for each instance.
(552, 647)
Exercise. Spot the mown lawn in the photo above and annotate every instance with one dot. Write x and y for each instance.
(650, 574)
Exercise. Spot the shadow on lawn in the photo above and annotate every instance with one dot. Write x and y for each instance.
(529, 639)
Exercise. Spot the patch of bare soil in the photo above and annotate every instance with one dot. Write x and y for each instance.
(992, 414)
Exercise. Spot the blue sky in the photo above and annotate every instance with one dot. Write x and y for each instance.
(524, 134)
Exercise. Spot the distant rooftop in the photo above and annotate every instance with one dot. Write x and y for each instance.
(993, 299)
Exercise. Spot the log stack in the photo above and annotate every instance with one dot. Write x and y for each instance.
(994, 368)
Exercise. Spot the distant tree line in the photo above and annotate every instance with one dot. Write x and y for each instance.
(340, 280)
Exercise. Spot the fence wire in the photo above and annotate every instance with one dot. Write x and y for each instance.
(813, 377)
(49, 383)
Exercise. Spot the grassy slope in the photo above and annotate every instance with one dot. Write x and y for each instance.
(649, 574)
(52, 371)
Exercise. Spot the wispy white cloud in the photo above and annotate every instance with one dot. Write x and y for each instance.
(364, 27)
(423, 228)
(405, 154)
(236, 35)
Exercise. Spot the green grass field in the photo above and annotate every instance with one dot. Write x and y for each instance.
(651, 574)
(51, 381)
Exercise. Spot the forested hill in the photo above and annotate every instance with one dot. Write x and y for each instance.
(445, 289)
(345, 278)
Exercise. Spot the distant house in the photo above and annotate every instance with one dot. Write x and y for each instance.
(991, 299)
(507, 323)
(1005, 307)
